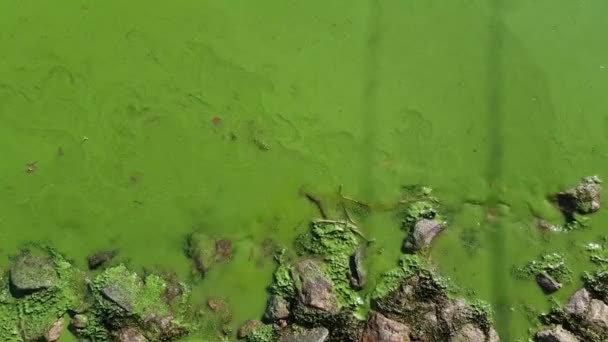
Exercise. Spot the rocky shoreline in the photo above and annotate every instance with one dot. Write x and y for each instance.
(316, 294)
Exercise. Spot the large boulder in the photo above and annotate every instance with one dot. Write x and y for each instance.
(32, 273)
(555, 333)
(579, 302)
(381, 329)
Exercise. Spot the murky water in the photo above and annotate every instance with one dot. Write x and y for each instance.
(146, 120)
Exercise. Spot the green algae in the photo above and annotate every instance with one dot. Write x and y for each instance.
(262, 333)
(552, 263)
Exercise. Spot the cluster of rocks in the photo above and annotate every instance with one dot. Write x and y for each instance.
(314, 294)
(42, 291)
(584, 317)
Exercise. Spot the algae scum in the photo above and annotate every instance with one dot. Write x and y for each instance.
(202, 170)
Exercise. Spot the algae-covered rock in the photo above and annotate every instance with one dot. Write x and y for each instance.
(31, 273)
(555, 333)
(316, 288)
(584, 198)
(318, 334)
(381, 329)
(247, 328)
(547, 282)
(277, 308)
(421, 218)
(101, 258)
(201, 249)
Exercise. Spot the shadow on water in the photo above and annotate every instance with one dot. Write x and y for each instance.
(495, 118)
(369, 97)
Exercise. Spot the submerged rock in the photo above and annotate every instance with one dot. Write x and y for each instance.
(584, 198)
(547, 282)
(100, 258)
(246, 329)
(579, 302)
(201, 249)
(305, 335)
(276, 309)
(358, 274)
(121, 294)
(555, 333)
(425, 230)
(316, 289)
(32, 273)
(381, 329)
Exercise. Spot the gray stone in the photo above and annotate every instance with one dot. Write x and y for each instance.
(358, 274)
(381, 329)
(469, 333)
(579, 302)
(555, 334)
(276, 309)
(53, 333)
(316, 289)
(30, 273)
(547, 283)
(493, 336)
(425, 230)
(597, 316)
(79, 321)
(306, 335)
(584, 198)
(119, 295)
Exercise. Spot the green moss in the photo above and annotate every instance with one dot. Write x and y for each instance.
(201, 249)
(553, 263)
(481, 313)
(334, 242)
(597, 283)
(262, 333)
(283, 283)
(408, 266)
(418, 203)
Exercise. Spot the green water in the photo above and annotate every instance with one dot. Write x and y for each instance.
(490, 102)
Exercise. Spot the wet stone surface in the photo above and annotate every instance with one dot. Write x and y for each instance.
(305, 335)
(29, 274)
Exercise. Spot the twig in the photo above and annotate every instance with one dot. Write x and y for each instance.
(352, 199)
(317, 202)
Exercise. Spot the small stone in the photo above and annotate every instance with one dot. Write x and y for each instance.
(276, 309)
(99, 259)
(381, 329)
(358, 275)
(54, 331)
(29, 274)
(555, 334)
(305, 335)
(79, 321)
(547, 283)
(317, 289)
(469, 333)
(247, 328)
(597, 316)
(578, 303)
(425, 231)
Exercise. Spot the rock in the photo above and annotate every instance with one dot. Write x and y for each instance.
(555, 334)
(579, 302)
(493, 336)
(130, 334)
(305, 335)
(276, 309)
(221, 308)
(547, 283)
(223, 249)
(584, 198)
(597, 316)
(119, 295)
(79, 321)
(29, 274)
(201, 249)
(381, 329)
(99, 259)
(425, 230)
(469, 333)
(316, 289)
(455, 310)
(247, 328)
(54, 331)
(358, 275)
